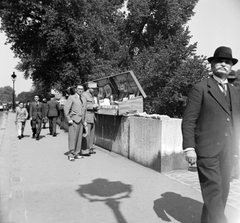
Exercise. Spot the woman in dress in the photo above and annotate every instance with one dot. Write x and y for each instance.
(21, 117)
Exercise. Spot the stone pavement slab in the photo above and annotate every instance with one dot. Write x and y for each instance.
(190, 178)
(39, 185)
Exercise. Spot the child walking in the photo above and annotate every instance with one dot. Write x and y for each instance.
(21, 117)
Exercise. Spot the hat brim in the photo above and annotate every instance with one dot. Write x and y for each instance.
(234, 60)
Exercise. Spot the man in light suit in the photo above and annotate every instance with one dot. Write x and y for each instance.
(36, 117)
(75, 112)
(92, 108)
(52, 114)
(210, 128)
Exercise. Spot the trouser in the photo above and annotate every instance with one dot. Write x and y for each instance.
(36, 126)
(20, 127)
(75, 132)
(52, 124)
(87, 143)
(214, 176)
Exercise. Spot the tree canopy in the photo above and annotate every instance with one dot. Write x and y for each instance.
(63, 42)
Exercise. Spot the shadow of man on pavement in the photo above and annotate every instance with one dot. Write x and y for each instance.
(101, 190)
(183, 209)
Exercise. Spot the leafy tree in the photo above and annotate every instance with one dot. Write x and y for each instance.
(25, 96)
(59, 41)
(64, 42)
(6, 94)
(163, 58)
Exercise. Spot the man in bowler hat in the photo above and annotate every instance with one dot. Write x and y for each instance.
(210, 128)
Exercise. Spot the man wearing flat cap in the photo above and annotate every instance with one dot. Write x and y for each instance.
(92, 108)
(210, 129)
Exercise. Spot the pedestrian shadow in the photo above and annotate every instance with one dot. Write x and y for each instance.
(110, 193)
(183, 209)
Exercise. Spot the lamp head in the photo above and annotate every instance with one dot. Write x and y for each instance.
(14, 76)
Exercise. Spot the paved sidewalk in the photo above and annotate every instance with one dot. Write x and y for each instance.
(39, 185)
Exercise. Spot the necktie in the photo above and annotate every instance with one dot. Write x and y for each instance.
(80, 97)
(224, 88)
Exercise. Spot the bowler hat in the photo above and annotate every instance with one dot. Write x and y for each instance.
(223, 52)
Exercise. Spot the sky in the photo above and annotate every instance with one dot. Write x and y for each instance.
(7, 66)
(215, 23)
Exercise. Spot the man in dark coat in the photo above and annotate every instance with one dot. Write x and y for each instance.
(210, 130)
(52, 114)
(36, 116)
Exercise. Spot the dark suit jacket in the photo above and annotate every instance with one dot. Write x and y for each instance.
(207, 120)
(36, 111)
(53, 108)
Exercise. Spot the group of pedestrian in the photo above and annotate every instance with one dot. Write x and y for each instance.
(38, 113)
(80, 109)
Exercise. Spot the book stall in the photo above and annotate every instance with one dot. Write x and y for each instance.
(120, 94)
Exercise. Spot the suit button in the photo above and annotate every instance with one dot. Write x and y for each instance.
(228, 119)
(226, 134)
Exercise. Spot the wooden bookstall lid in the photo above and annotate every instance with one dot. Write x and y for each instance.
(125, 82)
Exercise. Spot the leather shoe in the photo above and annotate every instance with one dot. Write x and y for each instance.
(92, 151)
(19, 137)
(54, 135)
(71, 158)
(78, 157)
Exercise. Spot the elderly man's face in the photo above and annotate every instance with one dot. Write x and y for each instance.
(221, 67)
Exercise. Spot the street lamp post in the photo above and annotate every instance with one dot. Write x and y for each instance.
(14, 77)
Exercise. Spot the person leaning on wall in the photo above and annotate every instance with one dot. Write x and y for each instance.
(210, 128)
(92, 108)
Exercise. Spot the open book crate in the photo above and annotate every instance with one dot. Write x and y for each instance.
(126, 92)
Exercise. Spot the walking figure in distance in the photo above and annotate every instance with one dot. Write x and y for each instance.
(21, 117)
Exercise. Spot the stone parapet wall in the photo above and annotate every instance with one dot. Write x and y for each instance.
(154, 143)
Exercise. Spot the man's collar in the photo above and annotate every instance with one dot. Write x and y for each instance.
(219, 80)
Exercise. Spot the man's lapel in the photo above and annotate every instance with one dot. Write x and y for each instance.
(217, 94)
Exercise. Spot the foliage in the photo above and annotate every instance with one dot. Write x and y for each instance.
(64, 42)
(25, 96)
(6, 94)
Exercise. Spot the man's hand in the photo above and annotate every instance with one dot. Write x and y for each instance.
(191, 156)
(85, 131)
(70, 122)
